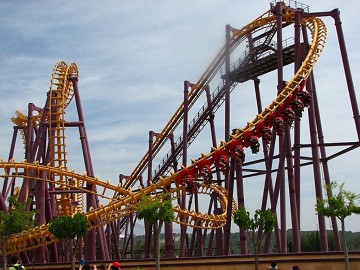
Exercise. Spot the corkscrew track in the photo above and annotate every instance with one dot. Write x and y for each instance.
(124, 200)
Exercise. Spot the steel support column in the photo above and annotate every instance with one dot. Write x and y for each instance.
(184, 161)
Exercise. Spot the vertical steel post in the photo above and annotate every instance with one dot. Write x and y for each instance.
(316, 167)
(227, 82)
(184, 161)
(324, 161)
(320, 136)
(268, 157)
(151, 137)
(241, 202)
(297, 126)
(280, 86)
(168, 227)
(229, 178)
(227, 227)
(149, 227)
(348, 76)
(199, 231)
(92, 200)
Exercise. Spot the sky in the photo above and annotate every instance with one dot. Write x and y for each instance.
(133, 57)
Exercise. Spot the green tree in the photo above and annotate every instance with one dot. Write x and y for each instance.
(257, 227)
(310, 241)
(70, 229)
(156, 210)
(340, 205)
(13, 221)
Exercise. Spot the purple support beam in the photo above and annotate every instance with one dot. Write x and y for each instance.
(324, 160)
(184, 161)
(188, 242)
(241, 202)
(125, 239)
(115, 235)
(13, 142)
(82, 130)
(39, 145)
(199, 231)
(211, 117)
(283, 232)
(297, 126)
(279, 54)
(227, 227)
(169, 241)
(320, 135)
(316, 167)
(348, 76)
(213, 202)
(334, 13)
(132, 242)
(280, 85)
(29, 132)
(92, 200)
(191, 249)
(149, 227)
(40, 190)
(292, 193)
(274, 198)
(108, 234)
(221, 245)
(229, 178)
(5, 189)
(150, 156)
(268, 158)
(185, 121)
(227, 81)
(211, 237)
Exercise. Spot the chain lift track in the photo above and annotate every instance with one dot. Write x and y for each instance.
(68, 188)
(263, 22)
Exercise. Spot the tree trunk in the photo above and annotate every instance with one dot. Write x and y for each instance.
(70, 246)
(345, 248)
(157, 244)
(257, 248)
(4, 253)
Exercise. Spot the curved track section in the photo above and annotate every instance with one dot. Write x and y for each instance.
(123, 202)
(116, 209)
(318, 32)
(60, 94)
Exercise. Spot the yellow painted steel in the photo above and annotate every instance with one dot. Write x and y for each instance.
(123, 201)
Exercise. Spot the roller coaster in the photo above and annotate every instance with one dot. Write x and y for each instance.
(259, 48)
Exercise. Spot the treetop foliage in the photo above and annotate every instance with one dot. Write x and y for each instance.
(155, 208)
(340, 205)
(16, 219)
(67, 227)
(266, 219)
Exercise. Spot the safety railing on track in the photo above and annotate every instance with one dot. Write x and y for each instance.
(194, 128)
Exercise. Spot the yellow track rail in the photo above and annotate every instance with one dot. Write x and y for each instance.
(61, 93)
(116, 209)
(318, 31)
(59, 87)
(124, 201)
